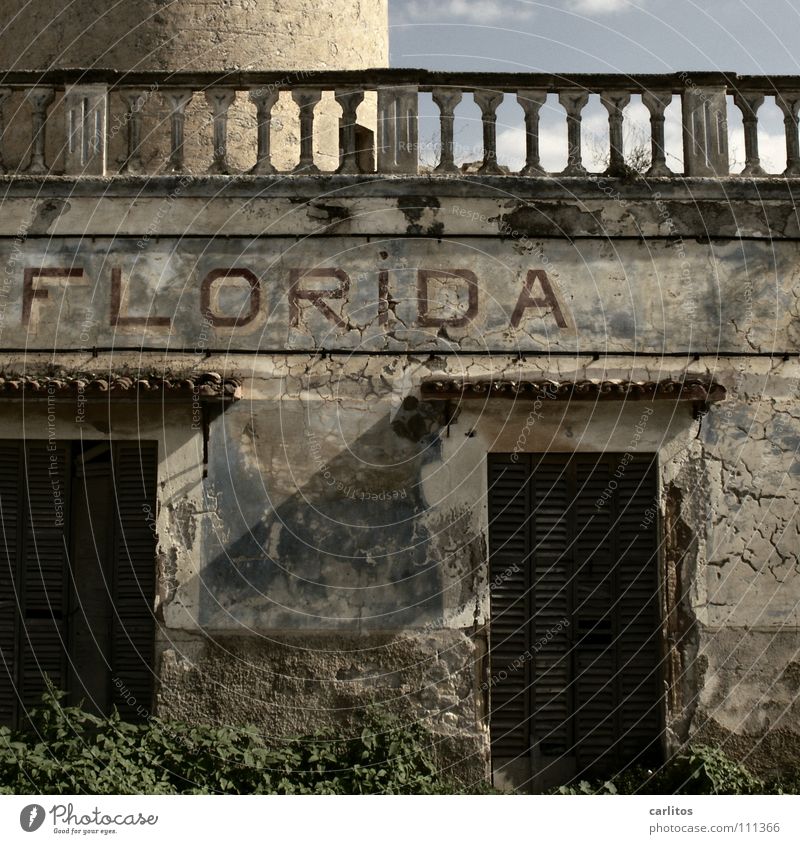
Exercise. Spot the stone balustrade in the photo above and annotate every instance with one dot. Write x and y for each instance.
(63, 121)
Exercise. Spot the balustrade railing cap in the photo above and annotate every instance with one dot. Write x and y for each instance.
(469, 80)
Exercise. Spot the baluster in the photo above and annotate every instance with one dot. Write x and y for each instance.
(177, 100)
(749, 104)
(264, 101)
(531, 102)
(134, 101)
(219, 101)
(705, 131)
(86, 115)
(489, 102)
(614, 103)
(4, 93)
(657, 102)
(398, 129)
(446, 99)
(39, 99)
(306, 99)
(573, 102)
(789, 104)
(349, 101)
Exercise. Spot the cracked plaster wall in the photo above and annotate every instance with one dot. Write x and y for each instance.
(304, 600)
(730, 576)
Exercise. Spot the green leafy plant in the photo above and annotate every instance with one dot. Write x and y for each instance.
(707, 770)
(699, 770)
(65, 750)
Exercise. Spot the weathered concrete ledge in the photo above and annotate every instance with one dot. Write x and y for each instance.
(435, 207)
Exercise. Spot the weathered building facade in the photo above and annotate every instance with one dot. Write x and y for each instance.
(514, 454)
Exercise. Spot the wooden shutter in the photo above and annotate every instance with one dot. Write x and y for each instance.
(45, 561)
(91, 599)
(585, 607)
(594, 612)
(616, 617)
(551, 691)
(510, 550)
(134, 472)
(639, 642)
(11, 508)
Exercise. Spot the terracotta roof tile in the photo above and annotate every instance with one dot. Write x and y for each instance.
(204, 385)
(687, 389)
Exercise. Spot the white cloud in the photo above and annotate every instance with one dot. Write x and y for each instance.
(472, 11)
(772, 149)
(511, 148)
(604, 7)
(497, 11)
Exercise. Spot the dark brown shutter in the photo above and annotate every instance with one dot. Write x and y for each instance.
(551, 670)
(134, 468)
(640, 650)
(11, 507)
(91, 526)
(510, 549)
(45, 562)
(594, 612)
(586, 609)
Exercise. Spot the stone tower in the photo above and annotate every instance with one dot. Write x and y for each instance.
(201, 36)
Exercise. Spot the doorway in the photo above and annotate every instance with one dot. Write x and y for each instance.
(575, 628)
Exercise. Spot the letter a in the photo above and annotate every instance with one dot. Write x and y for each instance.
(547, 300)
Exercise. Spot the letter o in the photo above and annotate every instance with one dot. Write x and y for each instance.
(219, 320)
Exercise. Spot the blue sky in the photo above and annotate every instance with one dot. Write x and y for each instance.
(747, 36)
(626, 36)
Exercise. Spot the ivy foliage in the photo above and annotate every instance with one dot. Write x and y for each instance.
(65, 750)
(699, 770)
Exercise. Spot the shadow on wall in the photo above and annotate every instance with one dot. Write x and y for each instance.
(348, 550)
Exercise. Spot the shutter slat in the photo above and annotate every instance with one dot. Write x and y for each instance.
(509, 552)
(10, 465)
(43, 641)
(135, 469)
(552, 694)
